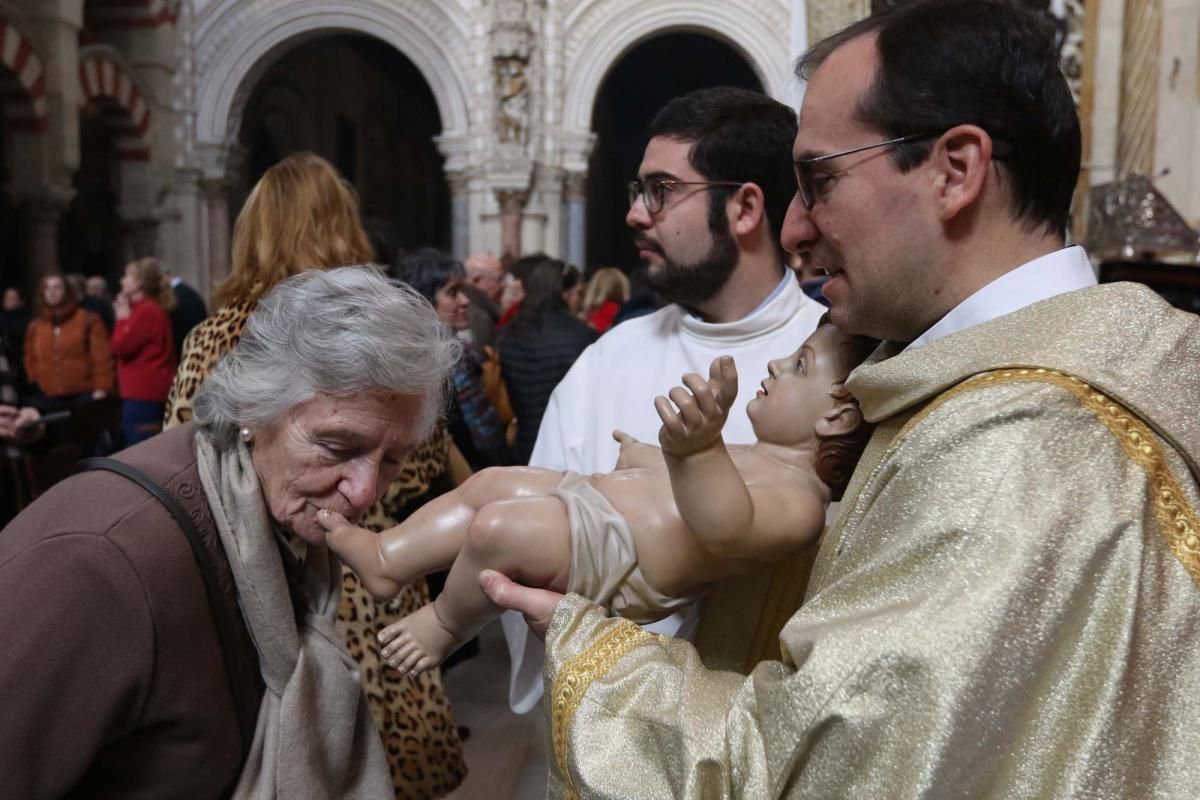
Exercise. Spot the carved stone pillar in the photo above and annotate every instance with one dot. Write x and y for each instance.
(575, 209)
(216, 196)
(460, 214)
(1141, 38)
(511, 205)
(43, 212)
(184, 235)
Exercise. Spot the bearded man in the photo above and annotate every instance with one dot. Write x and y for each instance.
(706, 208)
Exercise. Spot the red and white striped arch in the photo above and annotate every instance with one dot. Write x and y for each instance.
(106, 83)
(22, 81)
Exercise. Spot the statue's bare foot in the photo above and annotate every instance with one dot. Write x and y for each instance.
(417, 643)
(359, 548)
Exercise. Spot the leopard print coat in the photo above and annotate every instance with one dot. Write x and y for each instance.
(413, 715)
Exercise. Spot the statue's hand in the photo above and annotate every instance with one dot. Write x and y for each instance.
(698, 413)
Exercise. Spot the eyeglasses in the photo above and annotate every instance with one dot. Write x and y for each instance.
(653, 191)
(810, 187)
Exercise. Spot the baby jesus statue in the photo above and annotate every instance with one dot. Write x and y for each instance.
(644, 539)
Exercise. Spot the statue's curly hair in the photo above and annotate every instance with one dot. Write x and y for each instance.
(837, 456)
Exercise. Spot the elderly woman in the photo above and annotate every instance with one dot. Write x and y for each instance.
(151, 668)
(302, 215)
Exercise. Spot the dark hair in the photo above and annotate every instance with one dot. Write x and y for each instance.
(522, 266)
(427, 270)
(737, 135)
(544, 285)
(989, 63)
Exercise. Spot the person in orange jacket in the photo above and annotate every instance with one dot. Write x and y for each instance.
(67, 352)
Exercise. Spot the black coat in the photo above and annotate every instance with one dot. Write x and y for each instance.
(189, 312)
(534, 357)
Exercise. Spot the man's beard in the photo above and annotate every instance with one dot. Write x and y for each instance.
(693, 285)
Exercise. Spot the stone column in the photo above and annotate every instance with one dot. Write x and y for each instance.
(42, 214)
(460, 214)
(575, 210)
(511, 205)
(216, 196)
(183, 235)
(1141, 40)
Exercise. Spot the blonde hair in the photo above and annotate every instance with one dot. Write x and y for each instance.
(154, 283)
(609, 283)
(301, 215)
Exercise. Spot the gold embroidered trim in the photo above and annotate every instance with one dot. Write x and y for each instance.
(1179, 521)
(1180, 524)
(574, 679)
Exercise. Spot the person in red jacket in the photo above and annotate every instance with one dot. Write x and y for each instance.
(144, 346)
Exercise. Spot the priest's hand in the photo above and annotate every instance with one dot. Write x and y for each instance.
(536, 604)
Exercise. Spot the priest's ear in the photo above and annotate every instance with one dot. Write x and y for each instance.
(843, 419)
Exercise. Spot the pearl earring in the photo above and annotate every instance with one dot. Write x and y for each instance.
(247, 435)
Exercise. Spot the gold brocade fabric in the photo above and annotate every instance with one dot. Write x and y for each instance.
(1007, 608)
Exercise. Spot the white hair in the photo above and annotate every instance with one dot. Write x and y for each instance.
(337, 332)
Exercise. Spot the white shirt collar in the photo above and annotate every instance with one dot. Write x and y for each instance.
(1056, 273)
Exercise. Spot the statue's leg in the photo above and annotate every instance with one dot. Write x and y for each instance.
(430, 539)
(527, 538)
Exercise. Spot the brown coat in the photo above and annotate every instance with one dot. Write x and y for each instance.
(70, 357)
(113, 679)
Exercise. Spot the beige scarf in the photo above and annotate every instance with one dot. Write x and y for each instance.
(315, 737)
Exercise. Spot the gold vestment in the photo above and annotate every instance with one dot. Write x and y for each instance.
(1007, 607)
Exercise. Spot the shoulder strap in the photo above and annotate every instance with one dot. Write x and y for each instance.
(208, 572)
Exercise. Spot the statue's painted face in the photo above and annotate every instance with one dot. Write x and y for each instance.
(798, 389)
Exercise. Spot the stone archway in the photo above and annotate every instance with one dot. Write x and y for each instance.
(599, 33)
(365, 108)
(759, 33)
(239, 40)
(107, 84)
(22, 150)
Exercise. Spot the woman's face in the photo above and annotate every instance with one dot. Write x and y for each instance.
(336, 453)
(131, 284)
(12, 299)
(451, 303)
(53, 292)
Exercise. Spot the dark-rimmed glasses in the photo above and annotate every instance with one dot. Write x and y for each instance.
(809, 189)
(653, 191)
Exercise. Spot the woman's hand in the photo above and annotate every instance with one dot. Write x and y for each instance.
(22, 426)
(121, 306)
(702, 409)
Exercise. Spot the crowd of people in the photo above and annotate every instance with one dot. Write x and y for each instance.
(1002, 605)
